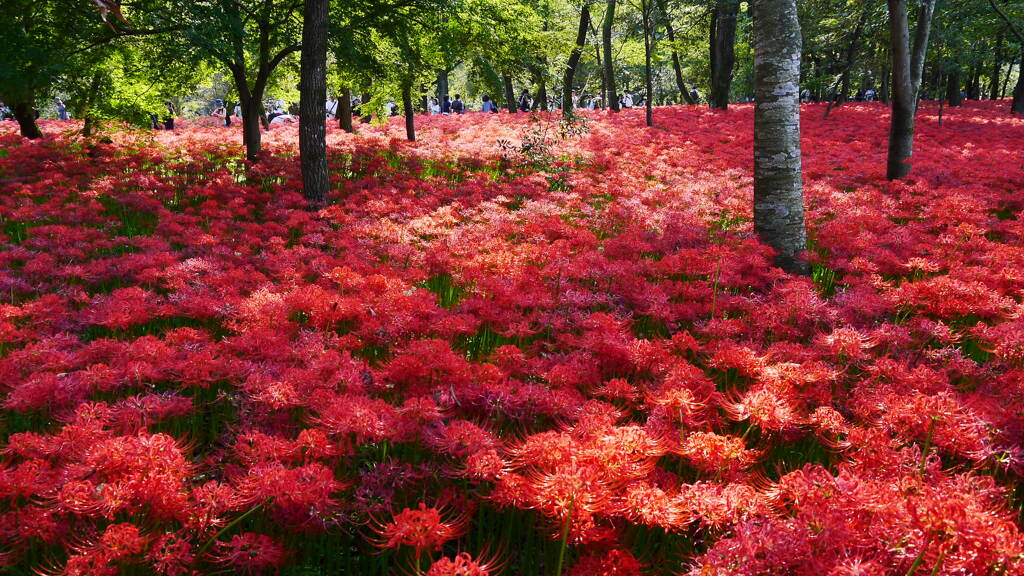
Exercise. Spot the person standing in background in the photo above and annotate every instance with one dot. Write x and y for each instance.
(488, 105)
(62, 110)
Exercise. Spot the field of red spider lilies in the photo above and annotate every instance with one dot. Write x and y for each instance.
(565, 358)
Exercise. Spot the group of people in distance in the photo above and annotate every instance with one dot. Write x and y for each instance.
(62, 111)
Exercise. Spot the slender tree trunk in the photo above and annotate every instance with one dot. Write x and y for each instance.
(611, 94)
(849, 58)
(907, 68)
(723, 56)
(345, 109)
(942, 101)
(574, 59)
(510, 93)
(997, 68)
(410, 114)
(1006, 77)
(676, 66)
(25, 113)
(1017, 107)
(645, 7)
(953, 87)
(883, 92)
(778, 185)
(312, 102)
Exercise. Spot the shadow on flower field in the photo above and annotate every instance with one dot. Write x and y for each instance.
(469, 364)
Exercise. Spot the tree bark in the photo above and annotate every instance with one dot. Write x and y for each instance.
(611, 94)
(778, 185)
(540, 102)
(723, 56)
(1017, 106)
(510, 93)
(676, 66)
(850, 56)
(974, 84)
(997, 68)
(25, 113)
(645, 7)
(574, 59)
(89, 119)
(953, 87)
(442, 85)
(252, 109)
(906, 81)
(313, 101)
(410, 114)
(1006, 77)
(345, 109)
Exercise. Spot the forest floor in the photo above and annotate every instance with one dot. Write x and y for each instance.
(509, 349)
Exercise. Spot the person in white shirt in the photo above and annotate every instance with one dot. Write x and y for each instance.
(627, 100)
(435, 107)
(332, 108)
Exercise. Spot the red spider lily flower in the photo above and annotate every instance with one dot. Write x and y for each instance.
(464, 564)
(172, 555)
(422, 529)
(612, 563)
(251, 553)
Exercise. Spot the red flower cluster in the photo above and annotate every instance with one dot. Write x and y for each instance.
(468, 359)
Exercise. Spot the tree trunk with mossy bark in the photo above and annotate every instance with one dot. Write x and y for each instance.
(312, 102)
(778, 185)
(723, 53)
(907, 67)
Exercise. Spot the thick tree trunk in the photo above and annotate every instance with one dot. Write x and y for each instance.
(442, 85)
(345, 109)
(723, 57)
(645, 7)
(574, 59)
(906, 80)
(510, 93)
(252, 110)
(312, 102)
(611, 94)
(677, 68)
(778, 184)
(540, 102)
(89, 122)
(25, 114)
(953, 95)
(410, 114)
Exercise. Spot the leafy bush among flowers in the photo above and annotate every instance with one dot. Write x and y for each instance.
(470, 364)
